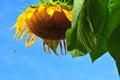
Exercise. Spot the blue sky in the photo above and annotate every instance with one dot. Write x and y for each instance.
(34, 64)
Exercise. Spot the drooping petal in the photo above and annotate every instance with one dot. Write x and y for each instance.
(49, 41)
(20, 25)
(31, 39)
(64, 46)
(23, 34)
(61, 47)
(28, 39)
(44, 44)
(54, 47)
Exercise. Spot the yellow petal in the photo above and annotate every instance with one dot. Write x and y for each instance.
(31, 39)
(29, 12)
(50, 11)
(23, 34)
(28, 39)
(40, 8)
(68, 14)
(20, 21)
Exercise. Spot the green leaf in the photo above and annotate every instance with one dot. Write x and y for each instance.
(80, 38)
(109, 20)
(114, 46)
(95, 29)
(97, 10)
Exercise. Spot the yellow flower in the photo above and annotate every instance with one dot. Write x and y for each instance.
(48, 22)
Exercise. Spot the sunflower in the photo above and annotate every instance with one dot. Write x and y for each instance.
(47, 20)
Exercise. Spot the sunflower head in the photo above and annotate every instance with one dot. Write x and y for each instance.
(48, 20)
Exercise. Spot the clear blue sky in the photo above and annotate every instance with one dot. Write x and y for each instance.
(34, 64)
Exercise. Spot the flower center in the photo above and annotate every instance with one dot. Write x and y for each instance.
(49, 23)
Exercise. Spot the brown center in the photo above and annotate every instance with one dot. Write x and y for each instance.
(47, 27)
